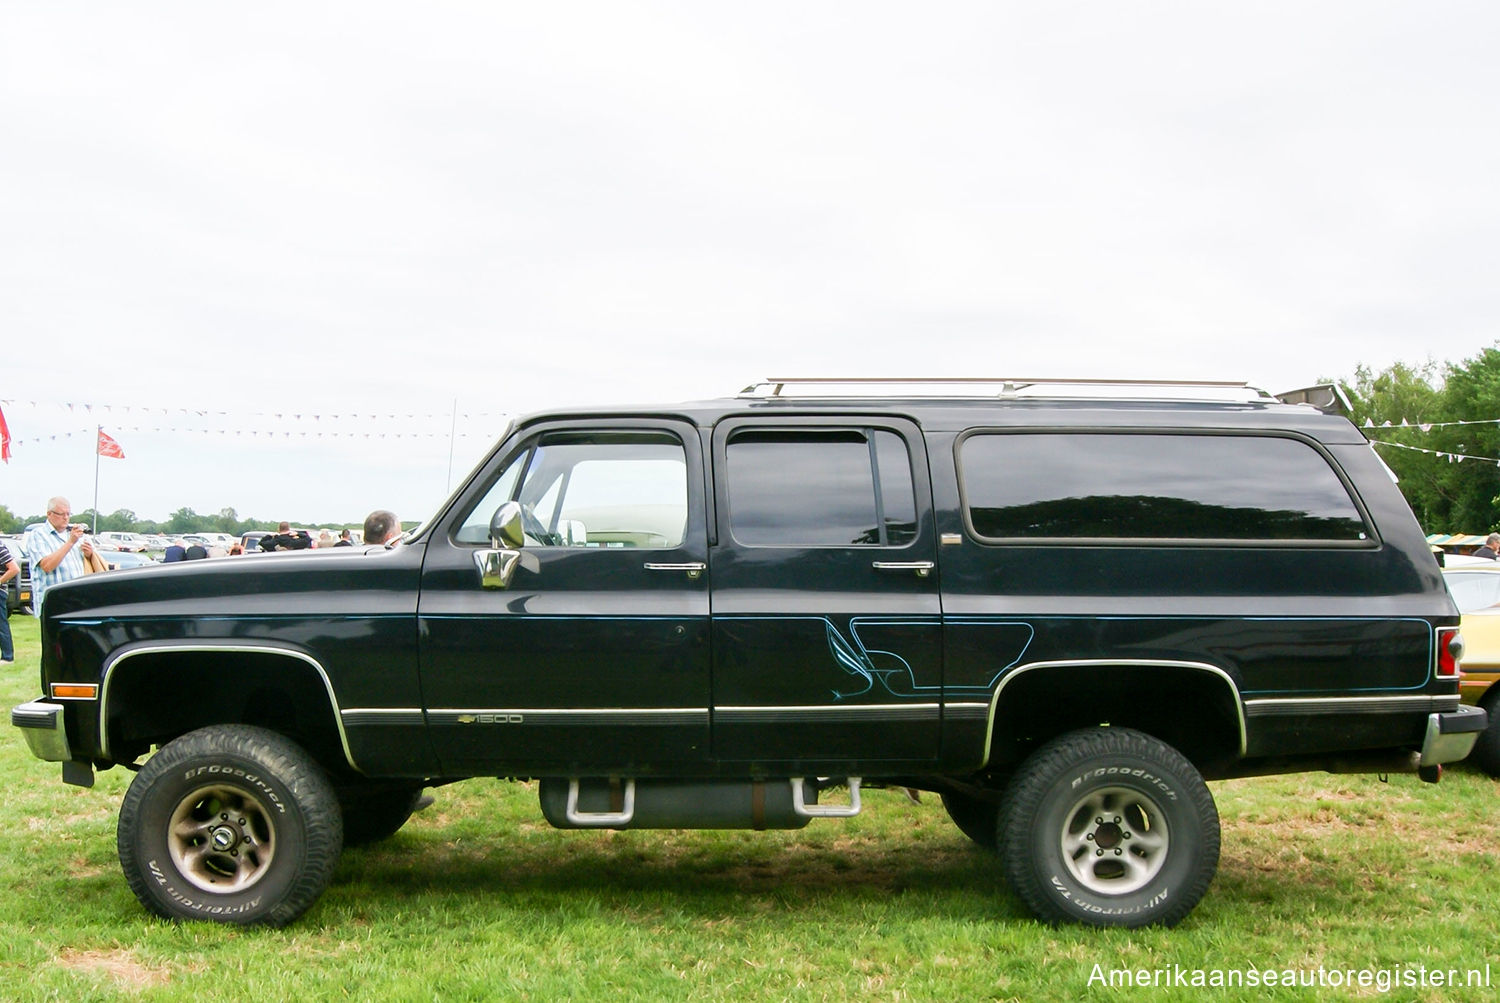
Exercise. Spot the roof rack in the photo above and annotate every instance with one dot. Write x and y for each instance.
(1001, 386)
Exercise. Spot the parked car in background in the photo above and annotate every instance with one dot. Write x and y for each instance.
(18, 589)
(251, 541)
(133, 542)
(1475, 585)
(117, 559)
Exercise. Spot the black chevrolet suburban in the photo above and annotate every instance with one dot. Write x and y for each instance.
(1061, 607)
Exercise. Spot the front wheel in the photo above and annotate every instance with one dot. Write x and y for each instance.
(1109, 827)
(229, 823)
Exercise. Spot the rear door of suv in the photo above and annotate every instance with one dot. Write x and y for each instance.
(826, 624)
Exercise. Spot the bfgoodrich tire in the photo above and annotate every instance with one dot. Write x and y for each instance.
(1109, 827)
(1486, 751)
(229, 823)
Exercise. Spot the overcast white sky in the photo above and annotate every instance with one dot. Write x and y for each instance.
(380, 209)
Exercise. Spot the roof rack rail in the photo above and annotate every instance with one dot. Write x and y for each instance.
(1001, 386)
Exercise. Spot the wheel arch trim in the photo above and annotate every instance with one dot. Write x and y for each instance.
(117, 658)
(1213, 670)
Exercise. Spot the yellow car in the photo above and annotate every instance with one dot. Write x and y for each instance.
(1475, 585)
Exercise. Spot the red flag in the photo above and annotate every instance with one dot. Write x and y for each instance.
(4, 439)
(109, 447)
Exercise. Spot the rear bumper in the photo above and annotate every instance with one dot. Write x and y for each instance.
(1451, 735)
(42, 724)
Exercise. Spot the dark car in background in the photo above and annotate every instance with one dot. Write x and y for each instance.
(1060, 607)
(18, 589)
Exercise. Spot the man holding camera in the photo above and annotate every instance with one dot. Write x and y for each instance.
(54, 551)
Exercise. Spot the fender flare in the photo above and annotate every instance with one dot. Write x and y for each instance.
(1213, 670)
(120, 656)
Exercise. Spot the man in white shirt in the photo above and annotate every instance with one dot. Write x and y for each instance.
(54, 550)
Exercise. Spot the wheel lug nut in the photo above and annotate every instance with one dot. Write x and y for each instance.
(1089, 836)
(1118, 851)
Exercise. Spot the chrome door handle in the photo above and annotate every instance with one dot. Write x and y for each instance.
(922, 568)
(694, 569)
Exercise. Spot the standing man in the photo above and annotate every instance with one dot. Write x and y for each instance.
(54, 551)
(9, 569)
(382, 527)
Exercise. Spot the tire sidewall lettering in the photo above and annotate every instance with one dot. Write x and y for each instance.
(1147, 780)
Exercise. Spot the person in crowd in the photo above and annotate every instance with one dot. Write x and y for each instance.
(1491, 548)
(344, 539)
(55, 550)
(325, 539)
(175, 552)
(236, 549)
(382, 526)
(285, 539)
(197, 552)
(9, 570)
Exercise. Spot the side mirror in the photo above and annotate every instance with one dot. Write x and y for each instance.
(497, 566)
(505, 526)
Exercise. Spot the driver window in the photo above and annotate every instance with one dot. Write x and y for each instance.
(476, 525)
(594, 489)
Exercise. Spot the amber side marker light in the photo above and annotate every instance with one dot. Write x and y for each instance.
(75, 691)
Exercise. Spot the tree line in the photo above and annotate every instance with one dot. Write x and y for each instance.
(184, 520)
(1443, 438)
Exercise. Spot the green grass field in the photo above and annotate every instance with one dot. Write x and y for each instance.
(478, 898)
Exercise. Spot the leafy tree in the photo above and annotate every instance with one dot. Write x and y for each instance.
(184, 520)
(1472, 394)
(121, 520)
(1398, 396)
(1450, 475)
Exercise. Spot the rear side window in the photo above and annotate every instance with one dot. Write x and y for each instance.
(820, 488)
(1197, 489)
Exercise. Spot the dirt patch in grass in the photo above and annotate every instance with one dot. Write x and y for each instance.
(120, 966)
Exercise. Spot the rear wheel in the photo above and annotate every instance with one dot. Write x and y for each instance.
(1486, 752)
(976, 817)
(1109, 827)
(231, 823)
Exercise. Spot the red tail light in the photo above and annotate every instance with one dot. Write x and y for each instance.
(1450, 652)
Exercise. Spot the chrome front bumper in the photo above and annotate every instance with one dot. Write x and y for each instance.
(1451, 735)
(42, 724)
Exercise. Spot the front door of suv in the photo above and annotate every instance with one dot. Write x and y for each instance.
(826, 618)
(594, 659)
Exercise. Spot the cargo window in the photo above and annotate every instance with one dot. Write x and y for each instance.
(1203, 489)
(820, 488)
